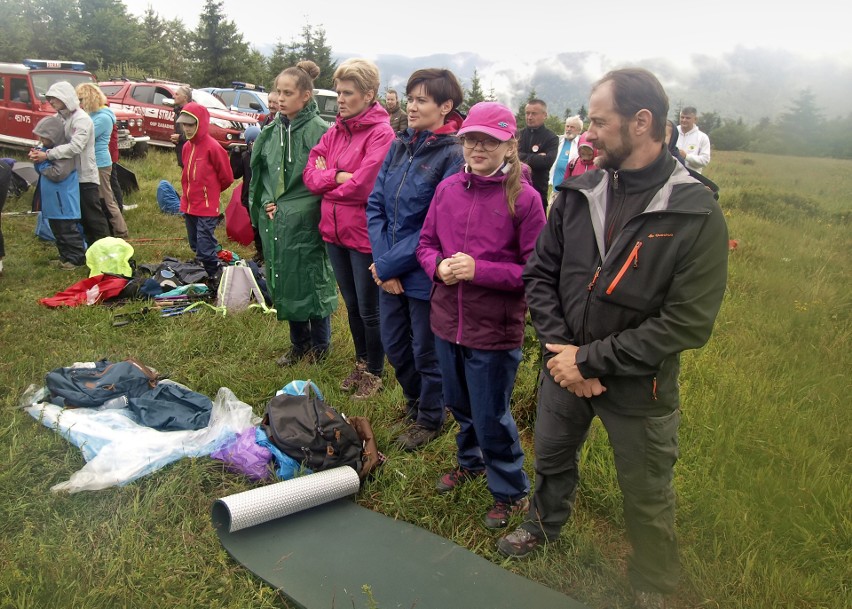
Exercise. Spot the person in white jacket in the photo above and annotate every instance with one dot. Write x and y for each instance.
(80, 132)
(567, 150)
(693, 145)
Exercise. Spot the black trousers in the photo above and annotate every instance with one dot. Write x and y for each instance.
(95, 223)
(69, 241)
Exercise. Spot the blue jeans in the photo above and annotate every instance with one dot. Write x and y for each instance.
(361, 295)
(478, 389)
(410, 346)
(202, 240)
(313, 335)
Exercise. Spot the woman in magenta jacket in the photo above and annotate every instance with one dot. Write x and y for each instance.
(342, 168)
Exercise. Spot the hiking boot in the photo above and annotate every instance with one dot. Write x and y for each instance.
(643, 599)
(67, 266)
(518, 543)
(291, 357)
(351, 381)
(368, 385)
(416, 437)
(455, 479)
(498, 516)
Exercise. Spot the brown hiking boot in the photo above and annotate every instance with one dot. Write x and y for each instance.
(417, 436)
(351, 381)
(498, 516)
(368, 385)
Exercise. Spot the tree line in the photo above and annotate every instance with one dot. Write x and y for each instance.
(115, 44)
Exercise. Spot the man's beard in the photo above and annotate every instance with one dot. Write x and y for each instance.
(615, 157)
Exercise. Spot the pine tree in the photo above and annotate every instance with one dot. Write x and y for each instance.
(218, 48)
(474, 95)
(313, 46)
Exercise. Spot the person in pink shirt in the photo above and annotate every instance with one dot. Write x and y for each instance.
(342, 168)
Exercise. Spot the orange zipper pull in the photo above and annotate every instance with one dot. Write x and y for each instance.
(632, 258)
(591, 286)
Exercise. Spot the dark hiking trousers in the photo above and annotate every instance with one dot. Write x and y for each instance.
(95, 224)
(410, 346)
(69, 241)
(645, 450)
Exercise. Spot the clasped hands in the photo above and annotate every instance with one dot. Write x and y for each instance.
(391, 286)
(458, 267)
(563, 369)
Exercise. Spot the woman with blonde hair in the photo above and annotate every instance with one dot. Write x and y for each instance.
(342, 168)
(94, 102)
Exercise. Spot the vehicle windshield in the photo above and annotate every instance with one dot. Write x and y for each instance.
(207, 100)
(43, 80)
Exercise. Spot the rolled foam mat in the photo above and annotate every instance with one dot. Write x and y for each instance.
(306, 538)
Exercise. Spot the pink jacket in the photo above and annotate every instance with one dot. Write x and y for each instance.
(357, 145)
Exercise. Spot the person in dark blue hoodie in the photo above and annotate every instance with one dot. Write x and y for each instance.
(420, 157)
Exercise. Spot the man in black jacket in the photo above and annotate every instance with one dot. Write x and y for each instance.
(538, 147)
(628, 273)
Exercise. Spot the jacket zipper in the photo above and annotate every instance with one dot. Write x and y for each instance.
(59, 201)
(459, 294)
(396, 198)
(633, 259)
(189, 182)
(334, 205)
(590, 287)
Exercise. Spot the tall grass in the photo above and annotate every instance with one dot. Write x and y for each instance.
(764, 498)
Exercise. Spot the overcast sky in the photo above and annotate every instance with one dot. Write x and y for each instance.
(527, 31)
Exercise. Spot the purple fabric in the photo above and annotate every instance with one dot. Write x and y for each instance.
(244, 456)
(469, 214)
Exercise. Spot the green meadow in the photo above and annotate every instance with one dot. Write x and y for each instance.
(763, 481)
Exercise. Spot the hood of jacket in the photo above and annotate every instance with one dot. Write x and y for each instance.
(105, 111)
(51, 128)
(201, 114)
(64, 92)
(584, 141)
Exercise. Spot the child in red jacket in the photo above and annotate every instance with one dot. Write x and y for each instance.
(206, 173)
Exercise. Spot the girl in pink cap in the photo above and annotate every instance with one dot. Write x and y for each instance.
(481, 227)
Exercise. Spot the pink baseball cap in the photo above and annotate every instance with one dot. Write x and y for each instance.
(491, 119)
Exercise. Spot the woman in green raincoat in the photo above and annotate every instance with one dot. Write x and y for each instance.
(287, 215)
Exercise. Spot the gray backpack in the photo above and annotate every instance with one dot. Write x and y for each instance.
(238, 290)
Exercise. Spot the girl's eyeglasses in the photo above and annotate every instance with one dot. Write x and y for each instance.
(488, 144)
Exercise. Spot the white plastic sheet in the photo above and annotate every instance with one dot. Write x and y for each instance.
(119, 450)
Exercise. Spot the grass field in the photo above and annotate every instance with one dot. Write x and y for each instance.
(764, 494)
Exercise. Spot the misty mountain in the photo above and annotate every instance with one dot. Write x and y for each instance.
(745, 83)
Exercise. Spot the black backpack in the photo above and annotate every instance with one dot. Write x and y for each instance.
(308, 430)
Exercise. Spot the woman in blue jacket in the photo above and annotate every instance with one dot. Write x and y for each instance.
(420, 157)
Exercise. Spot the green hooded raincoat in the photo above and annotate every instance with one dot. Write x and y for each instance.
(298, 271)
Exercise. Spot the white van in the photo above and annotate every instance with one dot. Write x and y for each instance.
(327, 102)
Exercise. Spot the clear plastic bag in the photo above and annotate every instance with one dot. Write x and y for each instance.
(118, 450)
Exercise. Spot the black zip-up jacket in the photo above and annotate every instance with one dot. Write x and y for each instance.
(654, 293)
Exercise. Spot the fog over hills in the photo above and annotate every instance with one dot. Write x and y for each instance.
(745, 83)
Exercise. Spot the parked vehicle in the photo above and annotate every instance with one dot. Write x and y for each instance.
(327, 101)
(23, 103)
(154, 100)
(243, 97)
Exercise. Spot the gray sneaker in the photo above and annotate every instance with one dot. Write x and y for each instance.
(416, 437)
(368, 385)
(518, 543)
(351, 381)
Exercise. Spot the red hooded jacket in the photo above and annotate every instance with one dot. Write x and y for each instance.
(206, 167)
